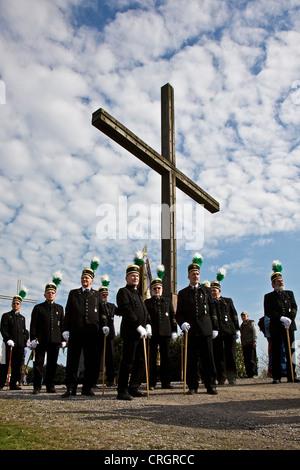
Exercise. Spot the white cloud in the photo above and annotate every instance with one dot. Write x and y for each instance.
(232, 67)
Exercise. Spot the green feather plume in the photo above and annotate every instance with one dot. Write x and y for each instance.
(197, 258)
(57, 277)
(160, 271)
(105, 280)
(221, 274)
(95, 261)
(138, 258)
(23, 292)
(276, 266)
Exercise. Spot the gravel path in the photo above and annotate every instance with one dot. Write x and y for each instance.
(253, 415)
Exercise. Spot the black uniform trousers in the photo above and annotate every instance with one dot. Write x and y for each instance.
(225, 357)
(277, 336)
(200, 348)
(132, 364)
(109, 358)
(86, 341)
(164, 350)
(17, 358)
(52, 350)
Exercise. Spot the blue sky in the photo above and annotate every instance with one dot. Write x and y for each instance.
(235, 69)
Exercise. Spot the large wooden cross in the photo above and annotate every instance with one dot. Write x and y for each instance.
(171, 177)
(9, 297)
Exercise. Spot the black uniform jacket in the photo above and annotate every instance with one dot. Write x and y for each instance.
(278, 304)
(162, 317)
(47, 322)
(110, 310)
(199, 312)
(133, 311)
(84, 310)
(227, 316)
(13, 327)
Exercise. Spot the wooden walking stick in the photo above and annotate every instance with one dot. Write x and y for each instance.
(103, 366)
(290, 353)
(146, 366)
(185, 360)
(181, 356)
(148, 352)
(9, 367)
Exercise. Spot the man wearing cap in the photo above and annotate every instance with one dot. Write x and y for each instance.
(280, 306)
(135, 325)
(225, 343)
(197, 317)
(15, 338)
(110, 310)
(84, 316)
(164, 326)
(46, 329)
(249, 334)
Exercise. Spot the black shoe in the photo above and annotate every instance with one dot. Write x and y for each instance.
(135, 393)
(36, 391)
(276, 381)
(124, 396)
(51, 389)
(87, 392)
(15, 387)
(212, 391)
(110, 384)
(69, 393)
(168, 386)
(191, 392)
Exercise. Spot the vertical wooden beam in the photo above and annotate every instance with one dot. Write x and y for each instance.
(168, 192)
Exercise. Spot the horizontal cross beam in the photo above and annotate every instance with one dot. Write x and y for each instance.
(128, 140)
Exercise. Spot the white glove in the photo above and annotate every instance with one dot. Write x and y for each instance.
(181, 334)
(66, 335)
(286, 322)
(214, 334)
(28, 345)
(174, 335)
(185, 326)
(10, 343)
(63, 344)
(105, 330)
(237, 334)
(149, 330)
(142, 331)
(34, 344)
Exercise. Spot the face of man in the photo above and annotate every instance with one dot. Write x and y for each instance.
(86, 281)
(278, 284)
(156, 291)
(133, 279)
(194, 277)
(50, 295)
(244, 316)
(215, 292)
(16, 305)
(104, 296)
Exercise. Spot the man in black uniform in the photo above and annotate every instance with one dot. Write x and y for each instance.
(280, 306)
(110, 310)
(164, 326)
(46, 329)
(15, 338)
(84, 317)
(197, 317)
(225, 343)
(135, 325)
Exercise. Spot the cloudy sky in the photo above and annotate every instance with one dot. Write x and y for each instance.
(69, 193)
